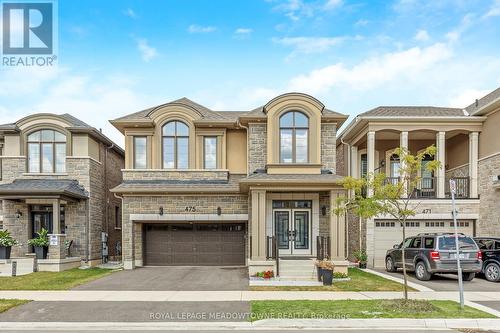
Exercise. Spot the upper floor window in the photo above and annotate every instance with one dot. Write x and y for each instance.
(175, 143)
(395, 166)
(210, 152)
(140, 152)
(294, 137)
(46, 151)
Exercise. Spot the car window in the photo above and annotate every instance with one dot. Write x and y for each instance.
(485, 244)
(497, 245)
(464, 243)
(408, 242)
(417, 243)
(429, 243)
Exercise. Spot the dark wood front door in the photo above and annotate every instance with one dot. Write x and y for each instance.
(200, 244)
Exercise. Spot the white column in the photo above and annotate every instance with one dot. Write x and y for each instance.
(403, 144)
(473, 163)
(258, 225)
(441, 157)
(337, 230)
(354, 162)
(56, 216)
(370, 147)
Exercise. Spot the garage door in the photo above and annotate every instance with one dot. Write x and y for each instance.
(200, 244)
(388, 233)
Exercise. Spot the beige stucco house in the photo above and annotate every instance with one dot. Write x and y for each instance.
(202, 187)
(56, 172)
(468, 146)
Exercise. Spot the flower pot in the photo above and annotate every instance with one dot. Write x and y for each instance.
(5, 252)
(320, 272)
(362, 265)
(41, 252)
(327, 277)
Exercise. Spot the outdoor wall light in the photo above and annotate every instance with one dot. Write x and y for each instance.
(219, 211)
(18, 213)
(323, 210)
(161, 210)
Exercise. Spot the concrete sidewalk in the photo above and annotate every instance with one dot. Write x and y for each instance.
(229, 296)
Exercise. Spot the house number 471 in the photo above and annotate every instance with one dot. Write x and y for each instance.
(190, 209)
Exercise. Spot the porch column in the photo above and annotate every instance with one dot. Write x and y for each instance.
(258, 224)
(441, 157)
(370, 148)
(354, 162)
(337, 229)
(403, 144)
(56, 216)
(473, 163)
(57, 248)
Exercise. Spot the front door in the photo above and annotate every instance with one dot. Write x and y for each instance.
(292, 228)
(41, 220)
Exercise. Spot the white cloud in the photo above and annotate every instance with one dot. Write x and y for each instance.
(243, 31)
(147, 52)
(466, 97)
(308, 45)
(404, 65)
(466, 22)
(422, 36)
(197, 29)
(332, 4)
(130, 13)
(361, 23)
(494, 9)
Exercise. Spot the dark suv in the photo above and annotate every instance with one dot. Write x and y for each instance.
(430, 253)
(490, 248)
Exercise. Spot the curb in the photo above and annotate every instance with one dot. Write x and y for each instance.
(413, 285)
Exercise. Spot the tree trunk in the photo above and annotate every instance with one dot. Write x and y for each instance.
(405, 278)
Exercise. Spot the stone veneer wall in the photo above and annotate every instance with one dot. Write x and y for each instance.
(489, 207)
(328, 146)
(205, 204)
(341, 167)
(257, 147)
(175, 175)
(324, 221)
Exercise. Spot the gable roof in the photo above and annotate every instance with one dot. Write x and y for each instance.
(482, 103)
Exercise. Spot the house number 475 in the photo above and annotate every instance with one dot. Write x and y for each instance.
(190, 209)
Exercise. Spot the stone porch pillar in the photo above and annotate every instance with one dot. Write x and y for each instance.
(441, 157)
(473, 163)
(56, 217)
(403, 144)
(57, 246)
(337, 229)
(354, 162)
(258, 225)
(370, 151)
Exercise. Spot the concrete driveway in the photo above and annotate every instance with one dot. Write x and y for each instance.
(448, 282)
(173, 278)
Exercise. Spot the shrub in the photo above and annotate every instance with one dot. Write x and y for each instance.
(361, 256)
(42, 240)
(6, 239)
(340, 275)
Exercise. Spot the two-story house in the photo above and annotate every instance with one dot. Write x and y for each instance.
(467, 148)
(202, 187)
(56, 172)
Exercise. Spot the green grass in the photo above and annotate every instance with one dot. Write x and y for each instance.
(53, 280)
(347, 309)
(360, 281)
(6, 304)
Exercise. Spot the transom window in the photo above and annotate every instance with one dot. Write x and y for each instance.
(175, 138)
(294, 137)
(46, 151)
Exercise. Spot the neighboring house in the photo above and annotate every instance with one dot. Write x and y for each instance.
(467, 147)
(56, 174)
(202, 187)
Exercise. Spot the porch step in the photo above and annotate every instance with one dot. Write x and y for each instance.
(302, 269)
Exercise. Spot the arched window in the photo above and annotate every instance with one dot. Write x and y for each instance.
(46, 151)
(294, 137)
(175, 138)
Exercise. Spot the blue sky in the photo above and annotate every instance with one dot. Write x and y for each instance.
(118, 57)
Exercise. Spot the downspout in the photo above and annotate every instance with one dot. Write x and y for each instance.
(348, 195)
(122, 210)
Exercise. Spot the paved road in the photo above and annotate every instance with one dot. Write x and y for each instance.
(127, 312)
(449, 282)
(173, 278)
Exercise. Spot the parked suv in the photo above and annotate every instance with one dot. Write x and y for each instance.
(430, 253)
(490, 249)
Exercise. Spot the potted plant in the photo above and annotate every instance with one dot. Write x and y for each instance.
(41, 244)
(6, 243)
(327, 272)
(361, 257)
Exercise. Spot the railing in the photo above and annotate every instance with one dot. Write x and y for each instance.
(462, 187)
(426, 188)
(272, 252)
(322, 247)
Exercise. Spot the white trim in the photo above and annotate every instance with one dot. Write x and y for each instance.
(5, 156)
(433, 216)
(457, 167)
(36, 174)
(489, 156)
(188, 217)
(81, 157)
(178, 170)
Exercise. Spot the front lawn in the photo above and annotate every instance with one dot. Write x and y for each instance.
(360, 281)
(347, 309)
(6, 304)
(53, 280)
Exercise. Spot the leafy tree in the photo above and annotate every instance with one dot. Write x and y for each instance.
(390, 197)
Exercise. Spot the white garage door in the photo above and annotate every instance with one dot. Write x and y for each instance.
(388, 233)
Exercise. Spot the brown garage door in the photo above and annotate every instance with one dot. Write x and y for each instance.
(200, 244)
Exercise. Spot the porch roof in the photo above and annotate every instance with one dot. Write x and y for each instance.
(291, 180)
(43, 188)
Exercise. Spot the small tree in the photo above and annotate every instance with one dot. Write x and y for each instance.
(395, 198)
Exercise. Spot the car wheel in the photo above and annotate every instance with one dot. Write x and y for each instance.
(389, 265)
(421, 272)
(468, 276)
(492, 272)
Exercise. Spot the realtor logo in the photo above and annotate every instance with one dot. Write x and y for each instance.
(28, 28)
